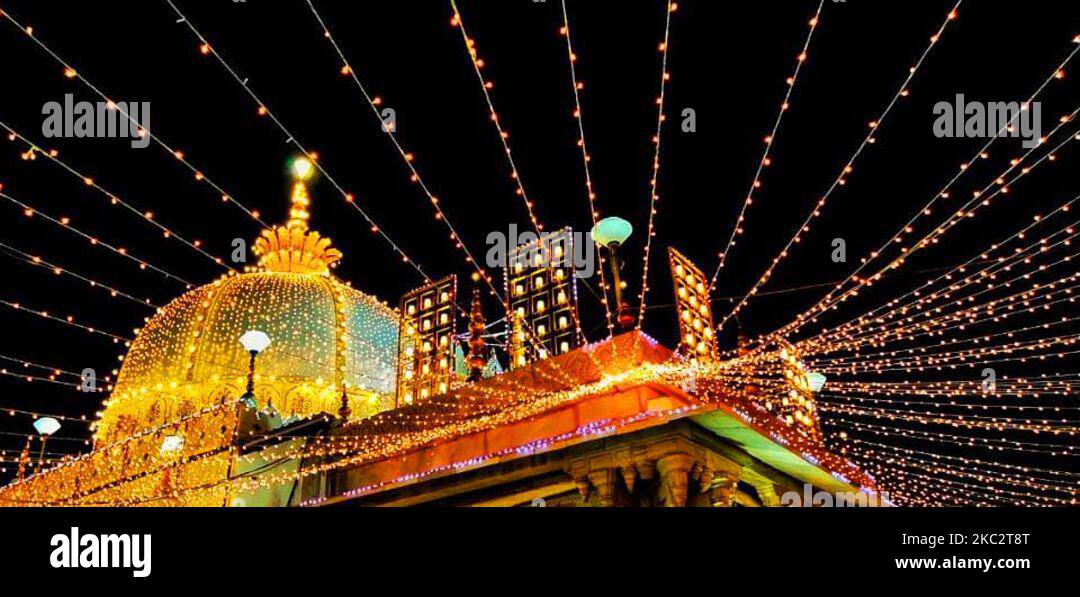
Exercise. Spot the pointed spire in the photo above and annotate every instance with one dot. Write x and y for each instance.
(292, 247)
(298, 213)
(302, 170)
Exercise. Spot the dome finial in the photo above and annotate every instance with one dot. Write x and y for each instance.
(292, 247)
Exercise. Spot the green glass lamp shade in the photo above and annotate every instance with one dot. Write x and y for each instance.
(815, 381)
(611, 230)
(47, 425)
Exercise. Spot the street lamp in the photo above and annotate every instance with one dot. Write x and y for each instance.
(254, 342)
(45, 426)
(611, 233)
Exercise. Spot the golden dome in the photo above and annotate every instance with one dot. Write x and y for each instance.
(324, 335)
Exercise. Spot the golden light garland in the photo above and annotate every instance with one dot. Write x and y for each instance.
(770, 139)
(654, 193)
(146, 215)
(577, 85)
(65, 223)
(504, 137)
(61, 271)
(980, 200)
(264, 110)
(69, 321)
(71, 73)
(845, 172)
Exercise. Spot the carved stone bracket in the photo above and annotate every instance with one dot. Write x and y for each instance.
(675, 465)
(674, 472)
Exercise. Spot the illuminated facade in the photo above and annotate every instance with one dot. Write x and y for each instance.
(541, 290)
(693, 307)
(622, 422)
(185, 370)
(426, 341)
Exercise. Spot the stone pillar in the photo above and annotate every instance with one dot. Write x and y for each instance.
(629, 475)
(604, 481)
(674, 472)
(583, 487)
(646, 469)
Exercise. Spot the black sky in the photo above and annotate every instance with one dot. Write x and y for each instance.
(728, 61)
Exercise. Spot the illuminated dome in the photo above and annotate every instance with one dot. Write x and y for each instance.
(324, 336)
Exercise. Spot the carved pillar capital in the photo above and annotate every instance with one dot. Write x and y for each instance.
(629, 475)
(604, 481)
(674, 472)
(583, 486)
(646, 469)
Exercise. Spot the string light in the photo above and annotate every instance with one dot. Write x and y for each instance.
(765, 160)
(841, 178)
(577, 85)
(485, 87)
(65, 223)
(896, 306)
(69, 321)
(56, 269)
(113, 199)
(143, 132)
(930, 330)
(968, 210)
(654, 194)
(264, 110)
(409, 161)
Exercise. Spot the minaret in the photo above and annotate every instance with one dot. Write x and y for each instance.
(477, 348)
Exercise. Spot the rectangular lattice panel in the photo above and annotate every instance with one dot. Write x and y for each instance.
(426, 341)
(541, 288)
(697, 338)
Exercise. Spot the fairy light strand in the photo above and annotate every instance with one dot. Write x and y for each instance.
(71, 73)
(654, 193)
(765, 160)
(56, 269)
(576, 86)
(264, 109)
(841, 178)
(146, 215)
(504, 137)
(64, 223)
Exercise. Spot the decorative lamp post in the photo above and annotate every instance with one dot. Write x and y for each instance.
(45, 426)
(254, 342)
(612, 233)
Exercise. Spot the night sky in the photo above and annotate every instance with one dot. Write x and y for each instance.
(728, 61)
